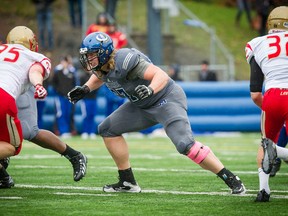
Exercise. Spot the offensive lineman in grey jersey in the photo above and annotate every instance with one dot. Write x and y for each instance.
(153, 98)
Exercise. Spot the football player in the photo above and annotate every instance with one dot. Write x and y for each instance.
(153, 98)
(268, 58)
(20, 68)
(27, 113)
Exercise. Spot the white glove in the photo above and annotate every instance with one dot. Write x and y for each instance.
(40, 92)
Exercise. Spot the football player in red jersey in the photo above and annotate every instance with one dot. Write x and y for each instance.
(20, 68)
(268, 58)
(21, 60)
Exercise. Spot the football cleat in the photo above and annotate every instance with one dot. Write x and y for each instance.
(122, 187)
(6, 182)
(79, 163)
(270, 155)
(5, 162)
(236, 185)
(262, 196)
(276, 167)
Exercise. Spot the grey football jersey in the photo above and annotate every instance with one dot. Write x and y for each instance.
(122, 83)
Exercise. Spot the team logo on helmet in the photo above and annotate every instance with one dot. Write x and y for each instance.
(101, 37)
(285, 24)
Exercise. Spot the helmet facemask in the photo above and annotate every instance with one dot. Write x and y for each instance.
(87, 58)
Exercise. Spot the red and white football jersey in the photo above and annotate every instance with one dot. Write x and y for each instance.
(15, 62)
(271, 54)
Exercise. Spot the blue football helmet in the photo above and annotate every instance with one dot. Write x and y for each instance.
(97, 43)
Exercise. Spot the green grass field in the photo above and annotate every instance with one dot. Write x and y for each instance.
(171, 184)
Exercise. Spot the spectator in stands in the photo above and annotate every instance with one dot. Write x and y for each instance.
(75, 12)
(44, 21)
(64, 78)
(205, 74)
(173, 72)
(88, 109)
(110, 7)
(102, 23)
(263, 8)
(118, 37)
(243, 5)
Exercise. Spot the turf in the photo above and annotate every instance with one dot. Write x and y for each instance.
(171, 184)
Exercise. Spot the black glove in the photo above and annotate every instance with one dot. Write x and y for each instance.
(144, 91)
(77, 93)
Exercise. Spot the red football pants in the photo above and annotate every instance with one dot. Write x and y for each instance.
(274, 113)
(10, 126)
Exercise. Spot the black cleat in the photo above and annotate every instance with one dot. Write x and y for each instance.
(5, 162)
(79, 163)
(6, 182)
(262, 196)
(276, 167)
(270, 155)
(122, 187)
(236, 185)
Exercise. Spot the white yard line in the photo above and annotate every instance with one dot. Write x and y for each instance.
(82, 194)
(11, 198)
(210, 193)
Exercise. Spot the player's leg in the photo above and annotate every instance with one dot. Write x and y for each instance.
(173, 116)
(10, 136)
(111, 129)
(274, 108)
(28, 115)
(282, 142)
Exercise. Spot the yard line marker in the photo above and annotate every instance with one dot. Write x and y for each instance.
(82, 194)
(11, 198)
(212, 193)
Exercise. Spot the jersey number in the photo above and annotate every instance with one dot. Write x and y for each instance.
(276, 44)
(121, 92)
(12, 52)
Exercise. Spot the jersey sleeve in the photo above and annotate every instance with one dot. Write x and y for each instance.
(139, 70)
(46, 63)
(127, 60)
(249, 52)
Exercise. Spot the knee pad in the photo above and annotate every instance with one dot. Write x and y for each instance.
(198, 152)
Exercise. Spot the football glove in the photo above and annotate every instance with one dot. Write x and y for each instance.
(40, 92)
(144, 91)
(77, 93)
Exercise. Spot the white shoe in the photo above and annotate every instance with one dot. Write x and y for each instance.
(92, 136)
(84, 136)
(65, 135)
(125, 187)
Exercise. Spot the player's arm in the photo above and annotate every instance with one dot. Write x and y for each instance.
(93, 83)
(148, 71)
(79, 92)
(157, 76)
(256, 82)
(36, 77)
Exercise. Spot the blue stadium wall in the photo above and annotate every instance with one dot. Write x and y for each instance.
(212, 106)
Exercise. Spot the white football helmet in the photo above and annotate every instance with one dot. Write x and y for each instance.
(278, 19)
(24, 36)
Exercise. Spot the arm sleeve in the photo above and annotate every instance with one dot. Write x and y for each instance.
(256, 76)
(138, 70)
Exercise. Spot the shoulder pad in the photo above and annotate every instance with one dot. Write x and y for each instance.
(126, 59)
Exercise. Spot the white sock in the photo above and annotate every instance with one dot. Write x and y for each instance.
(282, 153)
(263, 181)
